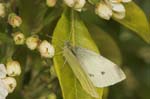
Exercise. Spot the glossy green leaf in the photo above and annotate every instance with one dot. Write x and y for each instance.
(71, 88)
(136, 20)
(106, 43)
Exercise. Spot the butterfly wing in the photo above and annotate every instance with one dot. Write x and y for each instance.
(80, 74)
(101, 71)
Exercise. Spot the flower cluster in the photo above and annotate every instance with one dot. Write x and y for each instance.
(13, 19)
(33, 42)
(104, 9)
(44, 47)
(108, 8)
(7, 81)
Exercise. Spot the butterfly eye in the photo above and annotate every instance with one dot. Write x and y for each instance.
(102, 72)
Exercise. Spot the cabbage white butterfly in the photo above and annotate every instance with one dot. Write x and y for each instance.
(101, 71)
(78, 71)
(91, 69)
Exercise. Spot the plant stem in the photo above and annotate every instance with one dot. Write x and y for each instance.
(72, 28)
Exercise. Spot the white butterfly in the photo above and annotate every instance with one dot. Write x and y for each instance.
(91, 69)
(79, 72)
(101, 71)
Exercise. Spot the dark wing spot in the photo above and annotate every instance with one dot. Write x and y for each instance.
(91, 75)
(102, 72)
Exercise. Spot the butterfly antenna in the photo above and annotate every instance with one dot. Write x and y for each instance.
(58, 54)
(60, 41)
(55, 38)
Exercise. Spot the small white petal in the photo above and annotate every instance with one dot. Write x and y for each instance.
(76, 4)
(32, 42)
(119, 1)
(46, 49)
(13, 68)
(118, 7)
(126, 1)
(120, 15)
(3, 71)
(69, 3)
(104, 11)
(10, 83)
(115, 1)
(19, 38)
(79, 4)
(3, 90)
(14, 20)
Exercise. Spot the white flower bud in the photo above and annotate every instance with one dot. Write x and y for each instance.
(32, 42)
(19, 38)
(51, 3)
(119, 10)
(76, 4)
(3, 71)
(2, 10)
(118, 7)
(13, 68)
(3, 90)
(111, 8)
(52, 96)
(46, 49)
(14, 20)
(119, 1)
(126, 1)
(103, 11)
(10, 83)
(114, 1)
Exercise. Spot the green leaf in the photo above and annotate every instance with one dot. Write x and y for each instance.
(70, 86)
(106, 43)
(136, 20)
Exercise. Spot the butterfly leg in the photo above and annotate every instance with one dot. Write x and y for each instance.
(64, 64)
